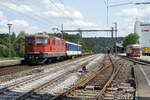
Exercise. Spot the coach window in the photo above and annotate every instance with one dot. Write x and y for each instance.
(53, 42)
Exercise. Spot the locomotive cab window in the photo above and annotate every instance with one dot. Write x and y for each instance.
(42, 41)
(29, 41)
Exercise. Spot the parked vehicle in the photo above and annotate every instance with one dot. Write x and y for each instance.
(146, 51)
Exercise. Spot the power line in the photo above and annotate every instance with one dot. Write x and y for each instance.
(45, 20)
(105, 2)
(121, 4)
(25, 15)
(61, 10)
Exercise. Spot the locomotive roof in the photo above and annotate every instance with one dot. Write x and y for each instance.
(73, 43)
(133, 45)
(44, 35)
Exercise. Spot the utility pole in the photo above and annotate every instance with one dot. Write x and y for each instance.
(115, 37)
(112, 34)
(62, 28)
(80, 36)
(9, 26)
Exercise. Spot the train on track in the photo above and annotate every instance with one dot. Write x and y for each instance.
(133, 50)
(41, 48)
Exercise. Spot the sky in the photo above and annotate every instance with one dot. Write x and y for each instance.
(34, 16)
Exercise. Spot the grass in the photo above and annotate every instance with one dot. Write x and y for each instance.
(10, 58)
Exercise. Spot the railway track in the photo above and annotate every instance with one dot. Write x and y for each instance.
(94, 86)
(19, 68)
(19, 90)
(14, 69)
(135, 60)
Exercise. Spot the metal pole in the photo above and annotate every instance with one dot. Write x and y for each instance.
(115, 37)
(9, 26)
(80, 36)
(62, 29)
(112, 39)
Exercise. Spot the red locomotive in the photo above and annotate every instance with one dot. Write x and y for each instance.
(40, 48)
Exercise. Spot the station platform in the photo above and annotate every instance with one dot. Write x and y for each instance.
(10, 62)
(145, 58)
(142, 78)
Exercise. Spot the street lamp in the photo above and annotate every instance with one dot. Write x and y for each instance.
(9, 26)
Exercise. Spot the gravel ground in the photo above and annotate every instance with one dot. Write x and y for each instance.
(122, 87)
(41, 69)
(75, 76)
(52, 72)
(67, 81)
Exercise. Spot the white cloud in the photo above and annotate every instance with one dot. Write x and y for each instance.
(128, 12)
(127, 17)
(19, 23)
(17, 26)
(44, 15)
(18, 8)
(81, 23)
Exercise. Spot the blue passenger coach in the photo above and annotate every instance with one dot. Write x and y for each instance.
(73, 49)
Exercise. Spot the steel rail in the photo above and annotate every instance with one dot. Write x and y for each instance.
(135, 60)
(29, 93)
(115, 72)
(28, 79)
(26, 95)
(9, 69)
(82, 83)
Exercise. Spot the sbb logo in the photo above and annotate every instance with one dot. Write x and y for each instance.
(145, 30)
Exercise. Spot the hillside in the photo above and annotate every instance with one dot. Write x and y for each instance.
(95, 45)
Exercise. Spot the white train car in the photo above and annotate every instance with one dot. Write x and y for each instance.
(143, 30)
(73, 49)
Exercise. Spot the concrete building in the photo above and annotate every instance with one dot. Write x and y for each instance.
(143, 30)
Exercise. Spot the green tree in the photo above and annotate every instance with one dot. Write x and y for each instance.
(19, 44)
(132, 38)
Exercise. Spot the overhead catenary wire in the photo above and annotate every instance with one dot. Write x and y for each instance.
(105, 2)
(36, 16)
(44, 25)
(121, 4)
(61, 10)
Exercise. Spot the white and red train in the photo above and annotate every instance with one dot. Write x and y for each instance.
(40, 48)
(133, 50)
